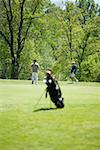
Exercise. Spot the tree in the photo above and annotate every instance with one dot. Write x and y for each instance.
(89, 25)
(16, 20)
(80, 24)
(68, 20)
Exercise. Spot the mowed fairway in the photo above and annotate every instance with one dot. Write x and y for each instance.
(76, 127)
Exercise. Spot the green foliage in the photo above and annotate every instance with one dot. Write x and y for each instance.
(91, 71)
(53, 36)
(4, 61)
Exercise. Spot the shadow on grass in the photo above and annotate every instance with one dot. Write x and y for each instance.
(69, 83)
(44, 109)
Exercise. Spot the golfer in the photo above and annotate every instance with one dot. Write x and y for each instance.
(73, 72)
(35, 68)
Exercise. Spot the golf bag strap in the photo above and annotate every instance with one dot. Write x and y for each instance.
(46, 94)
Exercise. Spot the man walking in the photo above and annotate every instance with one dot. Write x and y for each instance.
(35, 68)
(73, 72)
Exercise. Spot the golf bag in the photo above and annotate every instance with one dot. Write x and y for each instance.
(54, 91)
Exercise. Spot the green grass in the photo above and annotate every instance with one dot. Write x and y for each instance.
(76, 127)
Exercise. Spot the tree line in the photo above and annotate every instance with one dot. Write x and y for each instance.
(54, 36)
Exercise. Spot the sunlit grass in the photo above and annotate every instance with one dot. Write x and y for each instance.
(76, 127)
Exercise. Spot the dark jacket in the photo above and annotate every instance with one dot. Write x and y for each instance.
(73, 70)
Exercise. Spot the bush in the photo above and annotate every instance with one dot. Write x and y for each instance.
(91, 69)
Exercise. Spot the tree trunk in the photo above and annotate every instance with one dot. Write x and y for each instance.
(14, 69)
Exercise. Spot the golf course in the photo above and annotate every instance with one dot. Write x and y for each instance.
(29, 121)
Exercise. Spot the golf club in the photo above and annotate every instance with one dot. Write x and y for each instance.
(39, 100)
